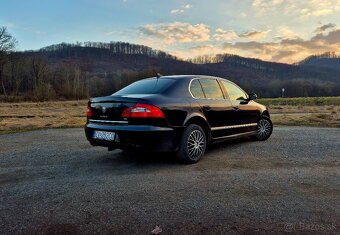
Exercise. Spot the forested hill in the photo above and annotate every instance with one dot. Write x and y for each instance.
(97, 58)
(73, 71)
(120, 57)
(242, 67)
(328, 60)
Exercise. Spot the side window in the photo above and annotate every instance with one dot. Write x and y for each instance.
(234, 92)
(196, 89)
(211, 89)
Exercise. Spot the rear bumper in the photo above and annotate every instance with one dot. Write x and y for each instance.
(149, 138)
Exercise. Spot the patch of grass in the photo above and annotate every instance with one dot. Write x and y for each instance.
(307, 119)
(305, 111)
(320, 116)
(27, 116)
(318, 101)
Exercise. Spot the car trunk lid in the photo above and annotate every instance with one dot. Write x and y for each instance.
(110, 108)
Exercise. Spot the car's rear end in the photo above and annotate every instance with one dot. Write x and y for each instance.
(129, 121)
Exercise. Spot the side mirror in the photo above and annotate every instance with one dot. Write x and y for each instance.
(252, 96)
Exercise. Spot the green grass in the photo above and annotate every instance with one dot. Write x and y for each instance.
(300, 101)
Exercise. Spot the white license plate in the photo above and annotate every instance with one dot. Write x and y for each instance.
(104, 135)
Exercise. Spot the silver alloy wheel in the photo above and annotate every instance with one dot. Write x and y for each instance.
(195, 144)
(263, 129)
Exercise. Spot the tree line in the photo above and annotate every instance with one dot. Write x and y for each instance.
(30, 75)
(111, 48)
(33, 79)
(81, 70)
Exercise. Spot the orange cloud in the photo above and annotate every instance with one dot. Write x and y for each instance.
(255, 35)
(287, 50)
(177, 32)
(222, 35)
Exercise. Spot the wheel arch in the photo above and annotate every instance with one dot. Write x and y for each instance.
(202, 122)
(265, 113)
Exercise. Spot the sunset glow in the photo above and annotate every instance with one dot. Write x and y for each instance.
(274, 30)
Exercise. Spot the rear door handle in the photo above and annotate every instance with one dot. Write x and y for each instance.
(206, 107)
(236, 108)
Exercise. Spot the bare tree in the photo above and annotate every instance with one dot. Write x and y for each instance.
(7, 44)
(39, 71)
(17, 72)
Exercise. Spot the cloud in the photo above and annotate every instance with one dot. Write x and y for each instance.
(287, 50)
(10, 25)
(285, 32)
(266, 3)
(109, 33)
(176, 11)
(243, 15)
(332, 37)
(316, 8)
(181, 9)
(266, 6)
(302, 8)
(195, 51)
(222, 35)
(177, 32)
(324, 27)
(204, 50)
(255, 35)
(321, 12)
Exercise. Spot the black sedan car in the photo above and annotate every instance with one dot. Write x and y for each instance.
(180, 114)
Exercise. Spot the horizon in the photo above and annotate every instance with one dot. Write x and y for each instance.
(81, 44)
(185, 29)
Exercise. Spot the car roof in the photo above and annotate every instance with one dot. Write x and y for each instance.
(187, 77)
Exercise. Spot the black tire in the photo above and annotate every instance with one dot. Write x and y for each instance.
(264, 129)
(193, 144)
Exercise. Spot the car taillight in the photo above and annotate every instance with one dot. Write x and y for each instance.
(88, 112)
(142, 111)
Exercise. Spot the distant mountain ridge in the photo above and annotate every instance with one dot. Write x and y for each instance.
(121, 57)
(95, 68)
(325, 60)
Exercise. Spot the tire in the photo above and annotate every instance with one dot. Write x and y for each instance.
(264, 129)
(193, 144)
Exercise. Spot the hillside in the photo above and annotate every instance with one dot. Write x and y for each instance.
(103, 58)
(73, 71)
(328, 60)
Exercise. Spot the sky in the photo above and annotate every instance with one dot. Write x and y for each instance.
(284, 31)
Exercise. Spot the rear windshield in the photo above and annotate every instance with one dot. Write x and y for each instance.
(146, 86)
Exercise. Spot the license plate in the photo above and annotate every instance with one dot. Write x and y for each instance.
(104, 135)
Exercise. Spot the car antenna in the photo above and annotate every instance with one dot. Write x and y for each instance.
(158, 75)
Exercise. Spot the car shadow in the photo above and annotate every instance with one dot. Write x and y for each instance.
(152, 158)
(226, 144)
(126, 162)
(142, 158)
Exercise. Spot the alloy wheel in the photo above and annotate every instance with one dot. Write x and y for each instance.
(264, 129)
(196, 144)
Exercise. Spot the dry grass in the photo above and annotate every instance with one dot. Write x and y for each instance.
(321, 116)
(16, 117)
(305, 101)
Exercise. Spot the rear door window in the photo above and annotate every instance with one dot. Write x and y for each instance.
(211, 89)
(196, 89)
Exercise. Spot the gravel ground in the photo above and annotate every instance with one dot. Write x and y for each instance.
(54, 182)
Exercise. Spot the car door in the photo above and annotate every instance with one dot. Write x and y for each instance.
(245, 112)
(213, 104)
